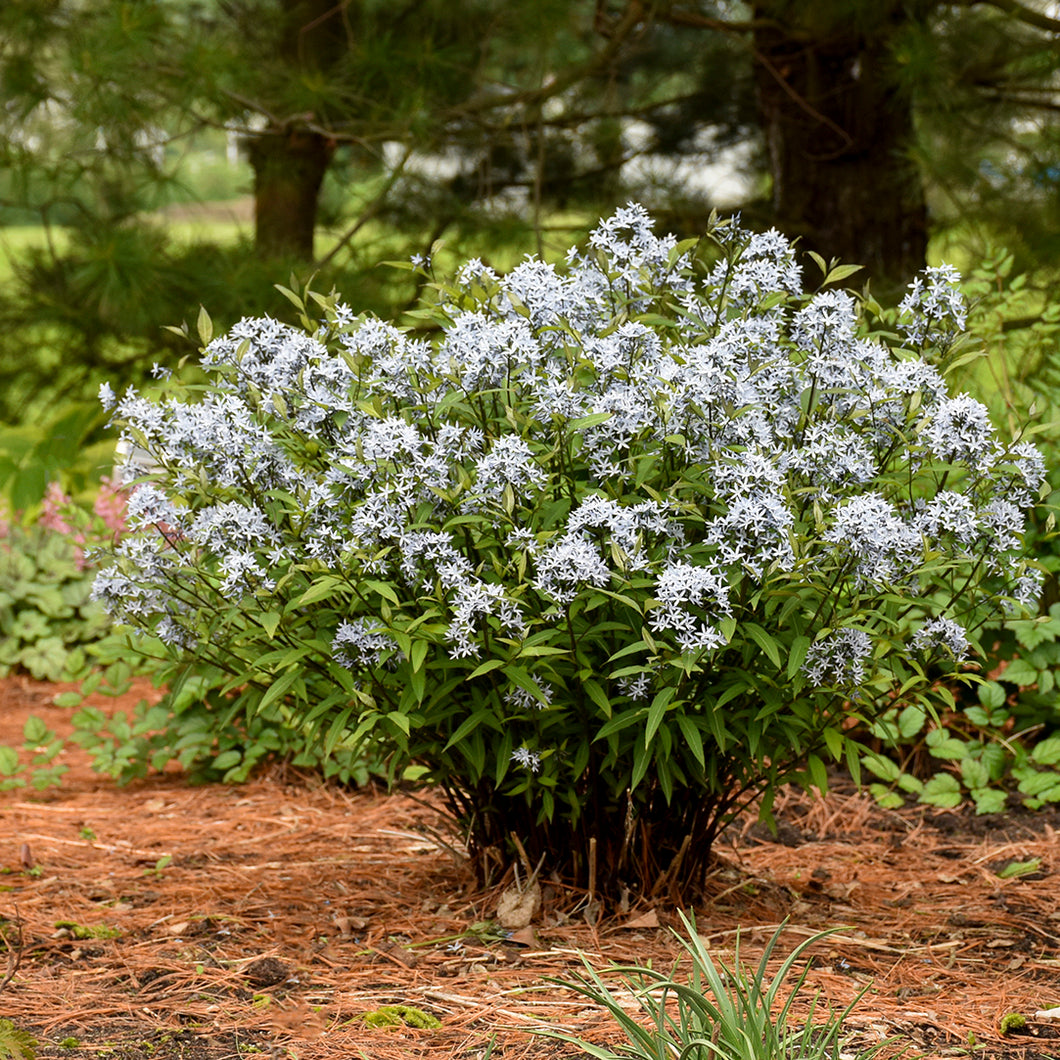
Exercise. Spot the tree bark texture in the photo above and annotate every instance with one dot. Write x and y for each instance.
(289, 158)
(289, 167)
(838, 131)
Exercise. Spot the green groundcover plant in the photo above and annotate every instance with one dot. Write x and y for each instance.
(191, 723)
(47, 615)
(999, 748)
(604, 550)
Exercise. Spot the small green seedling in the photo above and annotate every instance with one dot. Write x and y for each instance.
(162, 863)
(1020, 868)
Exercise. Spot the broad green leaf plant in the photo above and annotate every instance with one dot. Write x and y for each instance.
(999, 747)
(47, 614)
(603, 550)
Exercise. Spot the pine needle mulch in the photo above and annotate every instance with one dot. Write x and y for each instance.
(162, 920)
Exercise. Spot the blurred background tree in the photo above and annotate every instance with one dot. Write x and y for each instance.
(354, 131)
(386, 126)
(886, 121)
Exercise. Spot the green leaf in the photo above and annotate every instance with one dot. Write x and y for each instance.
(989, 800)
(818, 773)
(632, 649)
(396, 717)
(323, 587)
(910, 783)
(593, 690)
(1033, 634)
(227, 759)
(833, 739)
(641, 760)
(797, 655)
(1047, 752)
(620, 722)
(911, 721)
(484, 668)
(278, 689)
(418, 685)
(503, 757)
(764, 641)
(974, 773)
(384, 590)
(885, 797)
(204, 326)
(841, 272)
(8, 760)
(992, 695)
(291, 297)
(338, 727)
(466, 728)
(693, 738)
(1019, 672)
(35, 731)
(985, 719)
(1020, 868)
(418, 655)
(1040, 784)
(592, 420)
(656, 712)
(942, 790)
(951, 749)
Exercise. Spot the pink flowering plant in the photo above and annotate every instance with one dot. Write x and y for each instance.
(605, 550)
(47, 614)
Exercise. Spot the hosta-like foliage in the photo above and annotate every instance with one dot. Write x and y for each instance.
(47, 616)
(604, 549)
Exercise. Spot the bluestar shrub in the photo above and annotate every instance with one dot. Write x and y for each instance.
(604, 550)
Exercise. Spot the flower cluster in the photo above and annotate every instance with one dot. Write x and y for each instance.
(839, 658)
(687, 592)
(934, 304)
(361, 643)
(942, 632)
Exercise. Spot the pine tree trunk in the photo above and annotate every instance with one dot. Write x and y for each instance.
(289, 167)
(838, 132)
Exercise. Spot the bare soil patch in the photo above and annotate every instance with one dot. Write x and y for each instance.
(213, 922)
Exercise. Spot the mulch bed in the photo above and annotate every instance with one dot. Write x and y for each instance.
(213, 922)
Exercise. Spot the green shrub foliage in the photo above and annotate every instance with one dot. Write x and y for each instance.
(194, 721)
(999, 748)
(604, 550)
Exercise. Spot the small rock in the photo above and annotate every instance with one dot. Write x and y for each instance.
(266, 971)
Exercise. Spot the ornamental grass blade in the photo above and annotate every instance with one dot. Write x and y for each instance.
(720, 1012)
